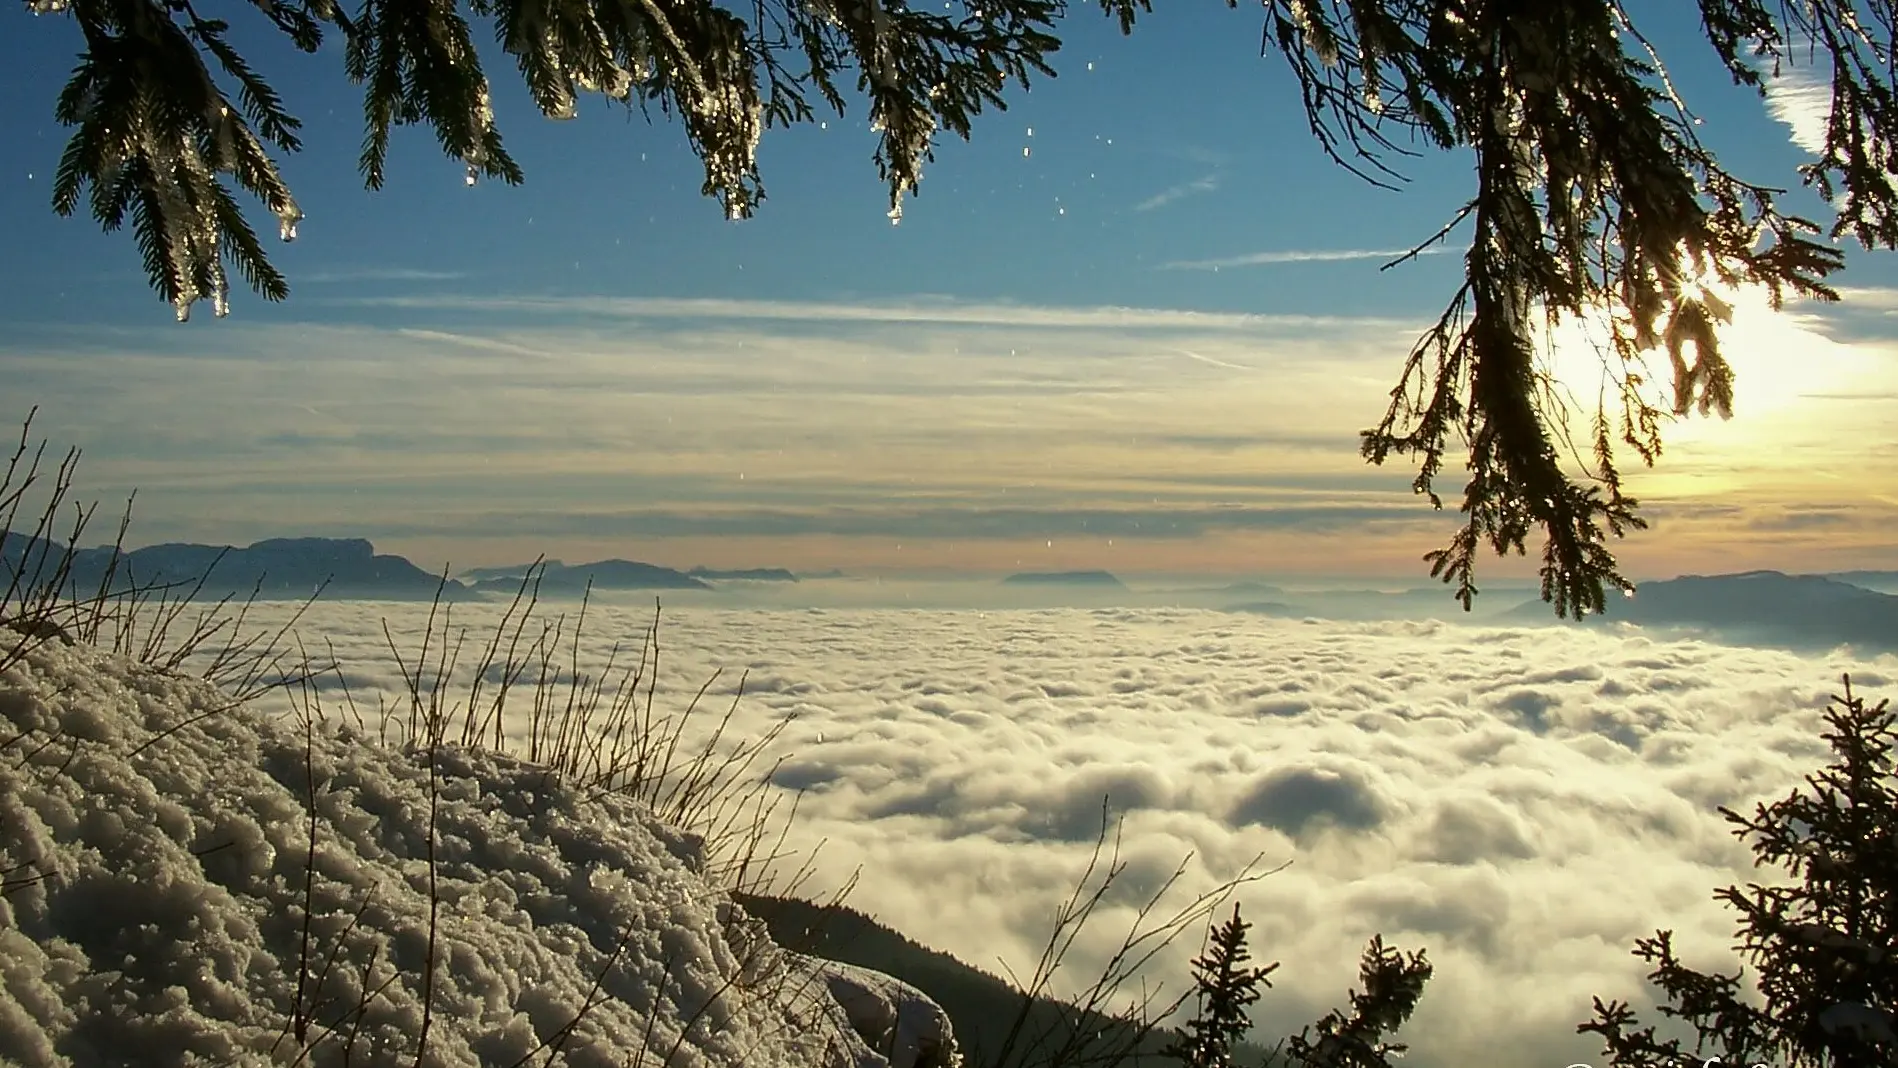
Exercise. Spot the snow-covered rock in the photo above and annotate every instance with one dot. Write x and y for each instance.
(155, 846)
(894, 1018)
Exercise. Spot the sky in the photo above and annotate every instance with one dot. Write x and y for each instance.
(1136, 323)
(1519, 803)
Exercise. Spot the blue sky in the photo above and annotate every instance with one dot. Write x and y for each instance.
(1140, 301)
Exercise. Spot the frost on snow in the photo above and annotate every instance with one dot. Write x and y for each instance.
(889, 1014)
(154, 843)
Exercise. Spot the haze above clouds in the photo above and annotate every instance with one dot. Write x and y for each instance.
(1522, 804)
(940, 435)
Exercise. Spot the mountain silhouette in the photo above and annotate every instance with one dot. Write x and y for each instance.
(561, 578)
(754, 574)
(505, 571)
(1876, 581)
(1097, 579)
(276, 568)
(1805, 612)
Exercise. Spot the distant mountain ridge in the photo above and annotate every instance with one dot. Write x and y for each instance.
(1765, 607)
(505, 571)
(1877, 581)
(753, 574)
(561, 578)
(292, 568)
(1098, 579)
(276, 568)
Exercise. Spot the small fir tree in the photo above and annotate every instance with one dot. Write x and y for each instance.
(1393, 984)
(1226, 987)
(1822, 950)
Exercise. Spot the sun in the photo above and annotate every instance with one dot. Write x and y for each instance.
(1781, 359)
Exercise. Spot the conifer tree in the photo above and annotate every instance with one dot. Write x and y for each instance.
(1592, 192)
(1823, 951)
(1225, 987)
(1393, 984)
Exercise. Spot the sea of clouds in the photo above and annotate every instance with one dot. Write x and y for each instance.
(1522, 804)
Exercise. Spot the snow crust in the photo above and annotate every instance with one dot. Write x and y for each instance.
(154, 842)
(893, 1017)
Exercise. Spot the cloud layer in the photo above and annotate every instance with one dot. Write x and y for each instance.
(923, 432)
(1521, 804)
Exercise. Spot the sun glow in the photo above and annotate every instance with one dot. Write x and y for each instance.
(1780, 359)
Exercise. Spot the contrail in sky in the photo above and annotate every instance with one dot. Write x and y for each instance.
(1209, 359)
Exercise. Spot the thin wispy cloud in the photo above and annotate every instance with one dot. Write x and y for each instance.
(721, 520)
(479, 343)
(1304, 255)
(963, 313)
(347, 275)
(1800, 98)
(1190, 354)
(540, 428)
(1167, 196)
